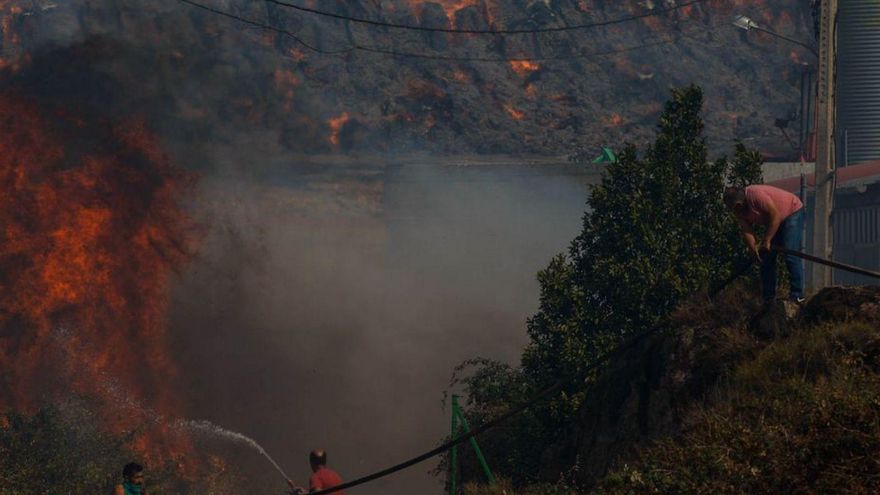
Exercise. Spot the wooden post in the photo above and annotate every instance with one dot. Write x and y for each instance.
(820, 276)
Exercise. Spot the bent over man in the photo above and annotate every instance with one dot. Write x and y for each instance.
(782, 213)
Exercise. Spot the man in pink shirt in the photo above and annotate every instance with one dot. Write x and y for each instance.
(322, 476)
(782, 214)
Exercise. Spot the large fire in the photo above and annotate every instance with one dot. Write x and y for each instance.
(90, 230)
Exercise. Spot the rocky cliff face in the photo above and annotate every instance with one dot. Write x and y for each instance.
(202, 77)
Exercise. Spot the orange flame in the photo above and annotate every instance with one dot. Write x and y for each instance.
(614, 120)
(461, 77)
(89, 239)
(514, 113)
(524, 67)
(450, 7)
(336, 124)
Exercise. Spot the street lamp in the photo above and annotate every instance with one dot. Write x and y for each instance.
(820, 276)
(747, 24)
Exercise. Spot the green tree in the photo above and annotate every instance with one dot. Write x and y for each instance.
(64, 448)
(57, 450)
(655, 231)
(746, 167)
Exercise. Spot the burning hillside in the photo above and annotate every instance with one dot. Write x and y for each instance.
(198, 72)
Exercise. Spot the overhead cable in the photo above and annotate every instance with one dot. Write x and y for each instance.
(427, 56)
(736, 272)
(544, 394)
(555, 29)
(261, 25)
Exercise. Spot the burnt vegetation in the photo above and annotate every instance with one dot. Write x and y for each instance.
(203, 76)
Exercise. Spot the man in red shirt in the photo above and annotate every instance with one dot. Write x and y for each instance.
(782, 214)
(322, 476)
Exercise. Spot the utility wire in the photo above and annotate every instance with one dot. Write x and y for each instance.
(261, 25)
(553, 389)
(426, 56)
(448, 58)
(540, 396)
(484, 31)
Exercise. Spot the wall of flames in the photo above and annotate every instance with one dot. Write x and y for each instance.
(90, 230)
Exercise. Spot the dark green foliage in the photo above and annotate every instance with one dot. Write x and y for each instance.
(655, 231)
(63, 449)
(492, 388)
(57, 450)
(746, 167)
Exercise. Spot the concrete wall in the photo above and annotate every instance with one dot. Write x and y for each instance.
(781, 170)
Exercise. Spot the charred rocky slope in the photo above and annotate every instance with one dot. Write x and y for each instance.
(200, 77)
(712, 408)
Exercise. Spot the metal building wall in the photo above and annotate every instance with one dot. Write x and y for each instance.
(858, 82)
(856, 224)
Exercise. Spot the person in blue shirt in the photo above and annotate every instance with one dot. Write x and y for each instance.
(133, 480)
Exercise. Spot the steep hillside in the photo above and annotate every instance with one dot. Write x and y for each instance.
(202, 76)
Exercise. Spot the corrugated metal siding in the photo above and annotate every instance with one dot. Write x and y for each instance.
(858, 81)
(857, 242)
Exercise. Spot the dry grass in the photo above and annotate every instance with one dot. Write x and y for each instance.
(803, 416)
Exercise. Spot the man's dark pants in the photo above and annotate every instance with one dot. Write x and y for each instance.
(789, 235)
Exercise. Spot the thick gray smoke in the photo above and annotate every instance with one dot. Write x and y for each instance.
(329, 309)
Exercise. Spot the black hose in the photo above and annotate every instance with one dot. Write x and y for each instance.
(553, 389)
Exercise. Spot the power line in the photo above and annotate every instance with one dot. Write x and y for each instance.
(546, 393)
(261, 25)
(555, 388)
(484, 31)
(426, 56)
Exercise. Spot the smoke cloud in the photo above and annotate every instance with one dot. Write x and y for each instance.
(328, 311)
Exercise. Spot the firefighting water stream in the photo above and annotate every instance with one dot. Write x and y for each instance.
(212, 429)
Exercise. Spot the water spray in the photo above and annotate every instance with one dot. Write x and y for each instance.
(62, 336)
(211, 428)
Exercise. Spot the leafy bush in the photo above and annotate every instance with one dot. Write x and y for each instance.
(57, 450)
(655, 231)
(63, 449)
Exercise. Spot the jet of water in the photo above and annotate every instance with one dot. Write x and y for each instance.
(212, 429)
